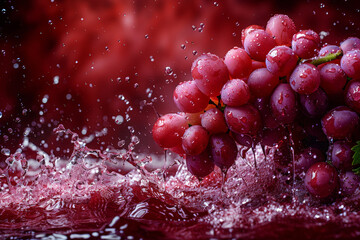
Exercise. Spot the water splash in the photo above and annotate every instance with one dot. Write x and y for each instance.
(47, 195)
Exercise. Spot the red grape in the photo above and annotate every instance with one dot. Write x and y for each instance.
(350, 63)
(235, 93)
(210, 74)
(307, 157)
(200, 165)
(248, 30)
(256, 65)
(264, 107)
(244, 119)
(188, 97)
(305, 43)
(328, 49)
(305, 79)
(195, 140)
(258, 43)
(341, 155)
(213, 121)
(340, 123)
(282, 28)
(224, 150)
(333, 79)
(352, 95)
(169, 129)
(284, 103)
(238, 63)
(243, 140)
(281, 60)
(315, 104)
(321, 180)
(262, 82)
(349, 182)
(350, 44)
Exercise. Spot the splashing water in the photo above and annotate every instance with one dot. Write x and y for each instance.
(113, 194)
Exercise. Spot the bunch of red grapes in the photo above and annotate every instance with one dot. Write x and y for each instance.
(281, 89)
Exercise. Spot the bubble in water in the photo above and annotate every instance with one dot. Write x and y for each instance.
(146, 36)
(16, 65)
(1, 114)
(194, 52)
(183, 46)
(135, 140)
(121, 143)
(119, 119)
(5, 151)
(152, 58)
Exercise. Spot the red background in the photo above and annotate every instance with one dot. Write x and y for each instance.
(102, 49)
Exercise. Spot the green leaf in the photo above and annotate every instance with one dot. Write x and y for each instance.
(356, 158)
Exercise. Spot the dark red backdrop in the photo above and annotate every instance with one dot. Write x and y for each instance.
(99, 51)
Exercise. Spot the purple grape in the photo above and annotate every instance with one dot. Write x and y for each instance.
(224, 150)
(242, 139)
(350, 44)
(333, 79)
(315, 104)
(278, 138)
(273, 137)
(350, 63)
(305, 79)
(200, 165)
(328, 49)
(243, 120)
(262, 82)
(305, 43)
(341, 155)
(264, 107)
(195, 140)
(284, 104)
(188, 97)
(352, 95)
(340, 123)
(349, 182)
(213, 121)
(321, 180)
(307, 157)
(168, 130)
(281, 60)
(258, 43)
(235, 93)
(238, 62)
(210, 74)
(282, 28)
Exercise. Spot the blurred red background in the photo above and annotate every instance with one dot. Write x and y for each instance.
(83, 63)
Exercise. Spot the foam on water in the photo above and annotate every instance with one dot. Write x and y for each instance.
(113, 193)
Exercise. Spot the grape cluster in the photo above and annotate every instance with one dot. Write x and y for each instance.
(281, 83)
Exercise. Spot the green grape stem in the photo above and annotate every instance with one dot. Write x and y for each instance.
(320, 60)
